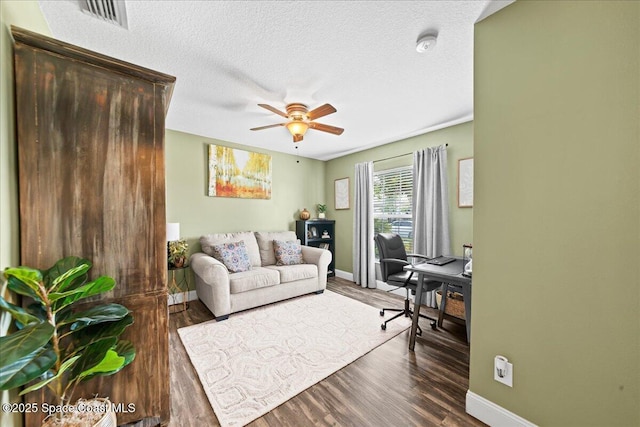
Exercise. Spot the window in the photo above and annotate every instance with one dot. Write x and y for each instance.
(392, 211)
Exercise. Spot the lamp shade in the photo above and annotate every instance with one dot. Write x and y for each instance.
(297, 127)
(173, 231)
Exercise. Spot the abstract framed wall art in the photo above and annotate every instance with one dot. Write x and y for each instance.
(238, 173)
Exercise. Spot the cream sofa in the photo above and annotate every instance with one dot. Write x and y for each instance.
(225, 293)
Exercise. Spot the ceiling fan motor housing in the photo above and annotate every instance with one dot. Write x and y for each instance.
(297, 111)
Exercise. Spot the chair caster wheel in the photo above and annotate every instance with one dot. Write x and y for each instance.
(433, 325)
(383, 327)
(381, 312)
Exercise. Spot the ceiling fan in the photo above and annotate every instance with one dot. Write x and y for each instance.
(301, 119)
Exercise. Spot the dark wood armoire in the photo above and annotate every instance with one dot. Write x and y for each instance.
(90, 132)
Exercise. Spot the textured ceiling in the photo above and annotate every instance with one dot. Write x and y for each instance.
(359, 56)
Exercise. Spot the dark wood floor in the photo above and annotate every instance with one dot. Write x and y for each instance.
(390, 386)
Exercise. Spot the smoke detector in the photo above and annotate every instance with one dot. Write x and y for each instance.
(426, 42)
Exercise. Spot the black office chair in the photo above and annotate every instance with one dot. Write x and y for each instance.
(393, 257)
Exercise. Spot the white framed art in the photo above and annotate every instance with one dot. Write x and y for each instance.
(465, 183)
(341, 188)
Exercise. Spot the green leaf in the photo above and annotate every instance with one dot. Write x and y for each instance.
(18, 313)
(98, 286)
(63, 266)
(28, 276)
(26, 369)
(95, 315)
(74, 276)
(93, 333)
(110, 364)
(24, 342)
(66, 365)
(91, 355)
(126, 349)
(19, 287)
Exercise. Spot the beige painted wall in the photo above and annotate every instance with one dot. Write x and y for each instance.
(295, 186)
(557, 211)
(25, 14)
(460, 140)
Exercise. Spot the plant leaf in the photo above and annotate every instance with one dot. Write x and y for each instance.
(91, 355)
(24, 342)
(76, 275)
(93, 333)
(110, 364)
(126, 349)
(28, 368)
(46, 381)
(18, 313)
(95, 315)
(64, 265)
(17, 285)
(98, 286)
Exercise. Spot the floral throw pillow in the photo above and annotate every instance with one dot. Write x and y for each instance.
(233, 255)
(287, 252)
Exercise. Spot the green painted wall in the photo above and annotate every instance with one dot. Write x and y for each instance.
(557, 211)
(25, 14)
(295, 186)
(460, 140)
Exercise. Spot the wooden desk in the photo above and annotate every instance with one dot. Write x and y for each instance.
(450, 273)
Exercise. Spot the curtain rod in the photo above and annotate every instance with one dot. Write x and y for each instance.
(395, 157)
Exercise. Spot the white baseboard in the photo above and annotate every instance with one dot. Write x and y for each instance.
(177, 297)
(492, 414)
(344, 275)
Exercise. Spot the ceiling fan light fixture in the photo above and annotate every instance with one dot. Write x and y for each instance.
(297, 127)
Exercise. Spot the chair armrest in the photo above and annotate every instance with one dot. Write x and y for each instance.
(418, 256)
(395, 261)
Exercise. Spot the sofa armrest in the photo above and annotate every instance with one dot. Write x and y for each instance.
(321, 258)
(212, 283)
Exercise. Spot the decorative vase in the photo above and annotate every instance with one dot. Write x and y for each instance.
(87, 417)
(304, 214)
(321, 215)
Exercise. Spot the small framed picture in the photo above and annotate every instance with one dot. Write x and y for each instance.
(465, 183)
(342, 193)
(314, 232)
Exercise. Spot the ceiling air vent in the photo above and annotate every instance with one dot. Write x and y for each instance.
(112, 11)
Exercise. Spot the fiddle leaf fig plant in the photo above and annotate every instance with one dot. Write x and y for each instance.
(54, 342)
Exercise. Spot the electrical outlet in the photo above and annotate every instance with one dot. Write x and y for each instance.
(502, 365)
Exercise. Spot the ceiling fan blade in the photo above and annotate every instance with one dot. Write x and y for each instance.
(273, 110)
(326, 128)
(268, 126)
(297, 138)
(321, 111)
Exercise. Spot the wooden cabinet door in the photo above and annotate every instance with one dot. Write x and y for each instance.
(92, 184)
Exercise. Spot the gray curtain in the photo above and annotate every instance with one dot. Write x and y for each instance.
(364, 271)
(431, 205)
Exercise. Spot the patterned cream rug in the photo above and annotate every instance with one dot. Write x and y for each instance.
(259, 359)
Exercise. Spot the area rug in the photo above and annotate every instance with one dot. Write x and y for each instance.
(258, 359)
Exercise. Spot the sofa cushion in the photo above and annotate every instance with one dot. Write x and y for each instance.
(255, 278)
(207, 241)
(287, 253)
(291, 273)
(265, 243)
(233, 255)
